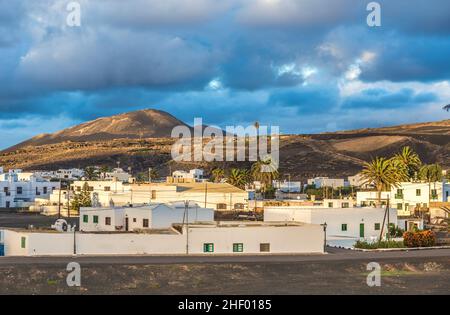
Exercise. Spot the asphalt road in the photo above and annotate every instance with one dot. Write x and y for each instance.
(334, 254)
(340, 272)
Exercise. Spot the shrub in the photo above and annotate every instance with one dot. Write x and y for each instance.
(376, 245)
(419, 239)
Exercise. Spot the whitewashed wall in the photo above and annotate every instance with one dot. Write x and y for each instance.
(334, 218)
(292, 239)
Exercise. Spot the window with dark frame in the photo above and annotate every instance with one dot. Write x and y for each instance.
(264, 247)
(145, 223)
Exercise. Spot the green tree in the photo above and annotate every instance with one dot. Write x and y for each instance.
(447, 107)
(217, 175)
(409, 160)
(383, 174)
(264, 171)
(431, 173)
(90, 173)
(238, 178)
(82, 199)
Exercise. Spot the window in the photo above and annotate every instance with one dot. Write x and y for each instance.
(418, 192)
(85, 218)
(239, 206)
(108, 221)
(44, 190)
(264, 247)
(8, 204)
(19, 190)
(330, 205)
(107, 188)
(95, 219)
(221, 206)
(377, 226)
(399, 206)
(23, 242)
(238, 248)
(345, 205)
(145, 223)
(344, 227)
(153, 194)
(90, 188)
(399, 194)
(208, 248)
(134, 220)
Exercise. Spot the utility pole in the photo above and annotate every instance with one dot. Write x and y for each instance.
(68, 200)
(149, 183)
(186, 211)
(206, 194)
(59, 200)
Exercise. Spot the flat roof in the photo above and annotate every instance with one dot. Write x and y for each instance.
(224, 224)
(197, 187)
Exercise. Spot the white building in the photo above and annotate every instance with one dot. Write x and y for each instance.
(344, 225)
(288, 186)
(19, 189)
(115, 186)
(224, 238)
(408, 197)
(320, 182)
(70, 174)
(116, 174)
(358, 181)
(194, 175)
(339, 203)
(370, 198)
(145, 217)
(219, 196)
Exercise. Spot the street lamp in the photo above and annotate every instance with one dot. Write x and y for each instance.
(325, 236)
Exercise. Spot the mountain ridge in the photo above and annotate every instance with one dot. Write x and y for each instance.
(141, 139)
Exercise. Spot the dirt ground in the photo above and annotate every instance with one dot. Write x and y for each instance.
(415, 276)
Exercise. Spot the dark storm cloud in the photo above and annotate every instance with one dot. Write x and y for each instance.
(382, 99)
(268, 60)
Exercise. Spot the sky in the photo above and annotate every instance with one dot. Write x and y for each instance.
(306, 66)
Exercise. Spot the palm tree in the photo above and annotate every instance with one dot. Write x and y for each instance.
(382, 173)
(431, 174)
(90, 173)
(237, 177)
(409, 160)
(446, 107)
(264, 171)
(256, 124)
(218, 174)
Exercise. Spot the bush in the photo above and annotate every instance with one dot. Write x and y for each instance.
(376, 245)
(419, 239)
(395, 231)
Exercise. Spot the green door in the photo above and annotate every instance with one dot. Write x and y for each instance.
(361, 230)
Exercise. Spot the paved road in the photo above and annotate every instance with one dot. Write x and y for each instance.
(334, 255)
